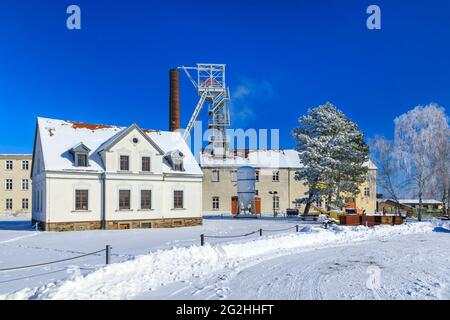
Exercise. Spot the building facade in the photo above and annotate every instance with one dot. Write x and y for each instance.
(96, 176)
(15, 192)
(275, 182)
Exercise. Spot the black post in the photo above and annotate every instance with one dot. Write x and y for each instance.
(296, 228)
(108, 253)
(202, 240)
(260, 232)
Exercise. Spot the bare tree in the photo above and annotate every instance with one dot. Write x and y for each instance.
(389, 177)
(416, 142)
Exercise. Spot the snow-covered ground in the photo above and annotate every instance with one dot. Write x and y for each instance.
(402, 262)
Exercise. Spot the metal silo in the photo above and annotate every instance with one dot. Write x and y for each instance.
(246, 177)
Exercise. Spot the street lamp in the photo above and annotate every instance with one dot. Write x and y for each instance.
(274, 194)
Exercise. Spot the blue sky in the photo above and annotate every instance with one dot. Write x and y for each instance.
(285, 56)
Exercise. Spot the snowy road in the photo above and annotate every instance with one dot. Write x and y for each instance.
(412, 261)
(411, 267)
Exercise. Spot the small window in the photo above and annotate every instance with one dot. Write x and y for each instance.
(257, 175)
(81, 200)
(9, 165)
(82, 160)
(215, 176)
(178, 199)
(178, 166)
(367, 191)
(124, 199)
(256, 192)
(146, 164)
(146, 199)
(25, 165)
(276, 203)
(9, 184)
(25, 184)
(124, 163)
(25, 203)
(215, 203)
(9, 204)
(233, 175)
(276, 176)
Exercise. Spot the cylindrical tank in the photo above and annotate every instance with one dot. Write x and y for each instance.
(246, 177)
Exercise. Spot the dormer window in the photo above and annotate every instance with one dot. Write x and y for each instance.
(175, 159)
(80, 155)
(81, 160)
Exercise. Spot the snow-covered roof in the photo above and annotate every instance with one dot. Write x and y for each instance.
(288, 158)
(416, 201)
(59, 136)
(255, 158)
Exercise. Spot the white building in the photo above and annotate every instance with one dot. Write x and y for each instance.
(88, 176)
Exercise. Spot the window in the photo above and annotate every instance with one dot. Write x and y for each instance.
(215, 176)
(146, 164)
(124, 163)
(256, 192)
(146, 199)
(178, 166)
(82, 160)
(276, 203)
(233, 175)
(257, 175)
(25, 164)
(25, 203)
(215, 203)
(9, 184)
(178, 199)
(276, 176)
(81, 200)
(367, 191)
(9, 165)
(124, 199)
(9, 204)
(24, 184)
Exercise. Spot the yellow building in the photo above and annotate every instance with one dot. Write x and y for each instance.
(15, 188)
(275, 181)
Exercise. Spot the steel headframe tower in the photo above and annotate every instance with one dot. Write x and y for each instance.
(211, 87)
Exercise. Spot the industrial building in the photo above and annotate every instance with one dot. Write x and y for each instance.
(15, 193)
(276, 185)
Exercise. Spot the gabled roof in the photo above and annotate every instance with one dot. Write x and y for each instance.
(80, 147)
(60, 136)
(119, 136)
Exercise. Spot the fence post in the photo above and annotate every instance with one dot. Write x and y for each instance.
(260, 232)
(296, 228)
(108, 254)
(202, 240)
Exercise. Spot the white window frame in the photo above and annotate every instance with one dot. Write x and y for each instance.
(215, 203)
(149, 165)
(215, 175)
(25, 184)
(9, 204)
(367, 191)
(9, 184)
(25, 164)
(27, 201)
(276, 203)
(276, 176)
(9, 165)
(151, 199)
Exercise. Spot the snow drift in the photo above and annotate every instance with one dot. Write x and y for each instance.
(148, 272)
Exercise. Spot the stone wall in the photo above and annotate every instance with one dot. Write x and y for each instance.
(118, 225)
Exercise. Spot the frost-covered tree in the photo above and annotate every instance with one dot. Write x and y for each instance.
(333, 152)
(389, 176)
(419, 138)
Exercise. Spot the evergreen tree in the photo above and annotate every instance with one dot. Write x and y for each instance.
(333, 153)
